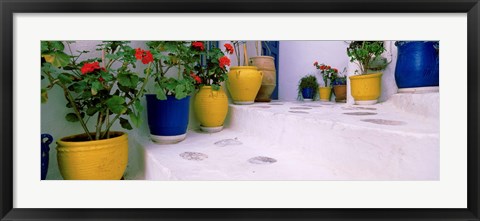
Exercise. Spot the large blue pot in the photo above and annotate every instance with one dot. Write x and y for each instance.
(167, 119)
(307, 93)
(417, 64)
(46, 139)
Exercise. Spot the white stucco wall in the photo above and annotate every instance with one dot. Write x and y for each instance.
(297, 58)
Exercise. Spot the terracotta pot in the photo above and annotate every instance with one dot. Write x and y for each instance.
(93, 160)
(265, 64)
(340, 92)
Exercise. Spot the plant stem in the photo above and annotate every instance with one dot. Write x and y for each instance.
(72, 102)
(140, 93)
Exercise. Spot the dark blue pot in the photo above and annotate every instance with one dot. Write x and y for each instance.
(167, 117)
(45, 140)
(307, 93)
(417, 64)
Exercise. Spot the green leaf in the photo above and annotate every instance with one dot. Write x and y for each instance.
(138, 106)
(136, 120)
(65, 78)
(91, 110)
(56, 45)
(71, 117)
(115, 104)
(44, 96)
(44, 47)
(128, 80)
(125, 124)
(57, 59)
(160, 92)
(215, 87)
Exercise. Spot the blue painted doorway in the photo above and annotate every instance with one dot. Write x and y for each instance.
(271, 48)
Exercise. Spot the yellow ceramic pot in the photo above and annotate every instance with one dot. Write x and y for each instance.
(211, 108)
(93, 160)
(243, 83)
(366, 89)
(325, 93)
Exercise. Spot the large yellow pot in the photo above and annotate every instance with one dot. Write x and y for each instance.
(366, 89)
(211, 108)
(325, 93)
(243, 83)
(93, 160)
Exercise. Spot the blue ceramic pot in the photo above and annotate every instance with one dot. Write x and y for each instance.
(167, 119)
(307, 93)
(417, 64)
(45, 140)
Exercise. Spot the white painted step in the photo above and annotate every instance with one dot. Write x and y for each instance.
(308, 141)
(424, 104)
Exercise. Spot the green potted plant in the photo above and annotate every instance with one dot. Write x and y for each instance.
(169, 106)
(308, 88)
(211, 102)
(244, 81)
(366, 86)
(104, 88)
(328, 75)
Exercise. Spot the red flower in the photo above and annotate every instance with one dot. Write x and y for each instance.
(101, 79)
(89, 67)
(328, 67)
(322, 67)
(147, 58)
(198, 45)
(315, 64)
(335, 70)
(138, 53)
(224, 61)
(229, 48)
(196, 77)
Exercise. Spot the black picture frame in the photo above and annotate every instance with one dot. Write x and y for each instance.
(9, 7)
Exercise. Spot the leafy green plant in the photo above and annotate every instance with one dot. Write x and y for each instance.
(104, 87)
(328, 73)
(309, 81)
(171, 55)
(363, 52)
(213, 70)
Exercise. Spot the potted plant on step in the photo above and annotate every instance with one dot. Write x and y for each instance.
(307, 88)
(340, 88)
(169, 106)
(265, 64)
(365, 87)
(244, 81)
(103, 88)
(211, 102)
(328, 75)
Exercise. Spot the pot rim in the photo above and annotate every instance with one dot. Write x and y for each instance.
(66, 144)
(263, 56)
(363, 76)
(244, 67)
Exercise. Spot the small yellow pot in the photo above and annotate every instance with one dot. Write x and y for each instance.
(325, 93)
(366, 89)
(93, 160)
(243, 83)
(211, 108)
